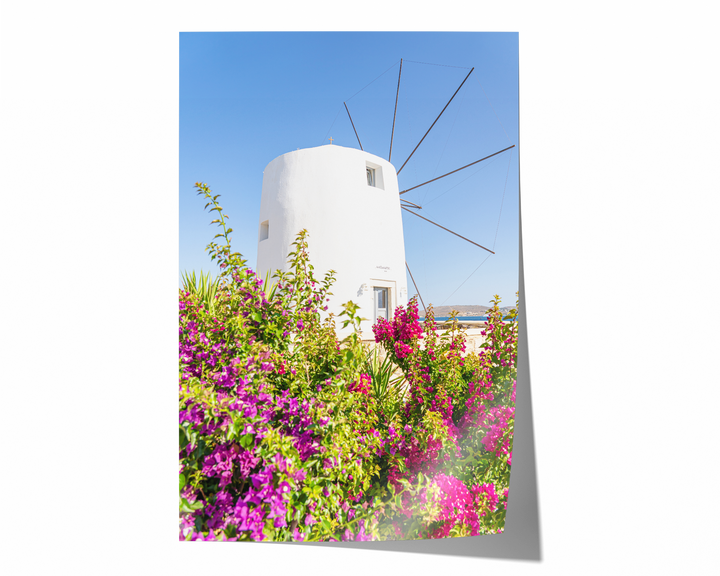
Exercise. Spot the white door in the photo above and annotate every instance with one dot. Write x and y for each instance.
(381, 303)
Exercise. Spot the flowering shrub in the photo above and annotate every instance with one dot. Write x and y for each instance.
(288, 434)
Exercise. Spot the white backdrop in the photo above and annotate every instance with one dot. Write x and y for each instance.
(619, 143)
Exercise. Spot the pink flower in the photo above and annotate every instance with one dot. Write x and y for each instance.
(363, 384)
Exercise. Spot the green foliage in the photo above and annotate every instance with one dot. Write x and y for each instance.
(388, 387)
(203, 286)
(230, 262)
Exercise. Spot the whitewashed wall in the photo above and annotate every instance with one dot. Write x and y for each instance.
(354, 229)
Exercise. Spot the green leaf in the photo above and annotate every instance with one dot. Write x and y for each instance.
(186, 506)
(182, 481)
(232, 431)
(247, 440)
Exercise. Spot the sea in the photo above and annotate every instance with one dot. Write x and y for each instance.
(460, 318)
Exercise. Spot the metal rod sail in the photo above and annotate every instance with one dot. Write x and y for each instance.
(416, 288)
(353, 125)
(411, 204)
(458, 170)
(436, 119)
(448, 230)
(395, 113)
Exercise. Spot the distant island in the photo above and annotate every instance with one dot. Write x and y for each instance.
(463, 310)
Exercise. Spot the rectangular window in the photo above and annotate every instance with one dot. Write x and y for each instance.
(381, 303)
(264, 230)
(374, 175)
(370, 176)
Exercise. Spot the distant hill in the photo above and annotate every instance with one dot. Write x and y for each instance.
(463, 310)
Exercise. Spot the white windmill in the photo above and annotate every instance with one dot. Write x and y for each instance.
(350, 203)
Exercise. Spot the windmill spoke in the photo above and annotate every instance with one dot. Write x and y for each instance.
(448, 230)
(458, 170)
(436, 119)
(416, 288)
(392, 134)
(353, 125)
(410, 203)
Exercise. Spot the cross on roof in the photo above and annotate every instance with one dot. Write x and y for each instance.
(330, 139)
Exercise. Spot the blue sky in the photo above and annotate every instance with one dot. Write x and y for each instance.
(246, 98)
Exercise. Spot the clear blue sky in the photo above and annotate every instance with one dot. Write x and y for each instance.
(246, 98)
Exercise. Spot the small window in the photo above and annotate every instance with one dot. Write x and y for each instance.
(381, 303)
(374, 174)
(370, 176)
(264, 230)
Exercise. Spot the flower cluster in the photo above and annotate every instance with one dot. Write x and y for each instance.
(486, 497)
(363, 384)
(403, 331)
(457, 508)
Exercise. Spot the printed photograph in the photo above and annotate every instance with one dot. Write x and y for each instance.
(348, 284)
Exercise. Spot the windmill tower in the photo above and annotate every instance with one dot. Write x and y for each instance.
(348, 201)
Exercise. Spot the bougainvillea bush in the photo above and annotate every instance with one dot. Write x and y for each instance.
(287, 433)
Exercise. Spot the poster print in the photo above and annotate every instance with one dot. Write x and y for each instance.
(349, 268)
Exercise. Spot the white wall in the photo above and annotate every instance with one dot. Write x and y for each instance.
(354, 229)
